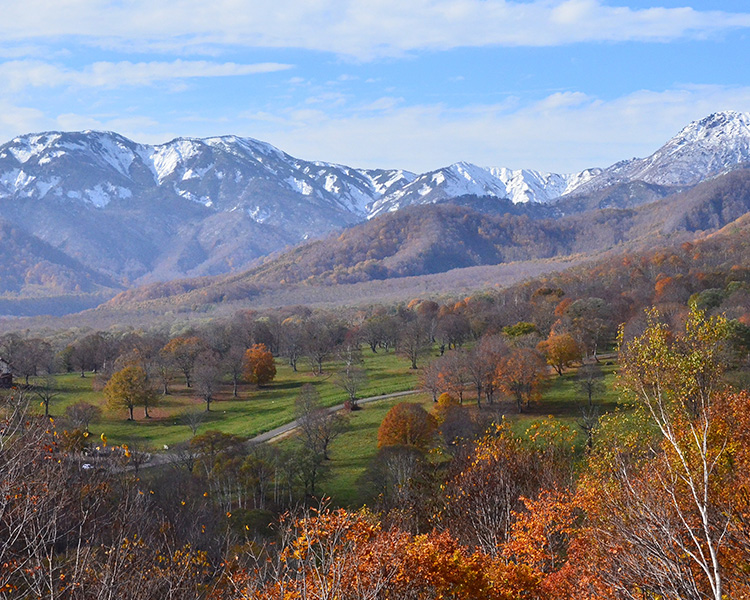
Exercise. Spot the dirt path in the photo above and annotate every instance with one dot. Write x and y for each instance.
(284, 430)
(164, 458)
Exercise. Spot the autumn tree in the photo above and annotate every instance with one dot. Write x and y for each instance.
(559, 350)
(129, 387)
(259, 365)
(454, 423)
(484, 488)
(673, 511)
(407, 424)
(483, 361)
(430, 380)
(184, 351)
(454, 373)
(519, 375)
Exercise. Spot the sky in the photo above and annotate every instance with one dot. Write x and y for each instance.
(552, 85)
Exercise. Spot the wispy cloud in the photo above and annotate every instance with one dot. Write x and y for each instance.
(17, 75)
(563, 132)
(363, 30)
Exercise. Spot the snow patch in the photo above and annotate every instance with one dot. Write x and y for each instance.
(302, 187)
(43, 187)
(97, 196)
(26, 147)
(197, 173)
(167, 157)
(259, 214)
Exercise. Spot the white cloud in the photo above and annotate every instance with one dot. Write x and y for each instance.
(384, 103)
(18, 119)
(364, 30)
(561, 133)
(20, 74)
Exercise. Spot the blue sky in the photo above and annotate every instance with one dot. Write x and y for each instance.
(554, 85)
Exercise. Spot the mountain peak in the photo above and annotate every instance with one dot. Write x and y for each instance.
(701, 150)
(728, 124)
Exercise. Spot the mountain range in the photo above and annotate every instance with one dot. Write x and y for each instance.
(90, 214)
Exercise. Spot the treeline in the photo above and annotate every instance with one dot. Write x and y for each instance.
(655, 507)
(652, 505)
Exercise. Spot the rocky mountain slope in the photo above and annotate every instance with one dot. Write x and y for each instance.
(703, 149)
(130, 213)
(429, 239)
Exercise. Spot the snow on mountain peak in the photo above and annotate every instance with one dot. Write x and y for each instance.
(228, 172)
(703, 149)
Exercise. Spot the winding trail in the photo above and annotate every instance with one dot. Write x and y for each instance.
(287, 428)
(164, 458)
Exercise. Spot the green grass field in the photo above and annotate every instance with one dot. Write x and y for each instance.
(253, 412)
(353, 450)
(258, 410)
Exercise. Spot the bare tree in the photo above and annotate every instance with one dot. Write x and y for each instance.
(45, 388)
(80, 414)
(414, 341)
(319, 425)
(206, 377)
(234, 364)
(192, 419)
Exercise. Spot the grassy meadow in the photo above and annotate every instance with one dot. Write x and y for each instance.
(257, 410)
(254, 411)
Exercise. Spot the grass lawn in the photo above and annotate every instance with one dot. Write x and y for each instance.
(353, 450)
(253, 412)
(259, 410)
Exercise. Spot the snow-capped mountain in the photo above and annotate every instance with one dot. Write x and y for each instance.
(701, 150)
(224, 174)
(137, 213)
(239, 174)
(463, 178)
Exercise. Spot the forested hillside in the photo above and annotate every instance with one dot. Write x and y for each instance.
(431, 239)
(474, 492)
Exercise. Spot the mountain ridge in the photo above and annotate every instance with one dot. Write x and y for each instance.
(192, 207)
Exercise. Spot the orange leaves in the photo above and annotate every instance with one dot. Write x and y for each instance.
(259, 365)
(407, 424)
(540, 534)
(559, 351)
(519, 374)
(341, 554)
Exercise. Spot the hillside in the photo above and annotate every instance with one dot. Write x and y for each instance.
(424, 240)
(28, 266)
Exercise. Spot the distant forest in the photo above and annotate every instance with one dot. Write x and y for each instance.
(643, 498)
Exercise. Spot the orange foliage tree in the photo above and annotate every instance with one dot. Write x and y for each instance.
(407, 424)
(259, 365)
(340, 554)
(559, 350)
(671, 508)
(519, 374)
